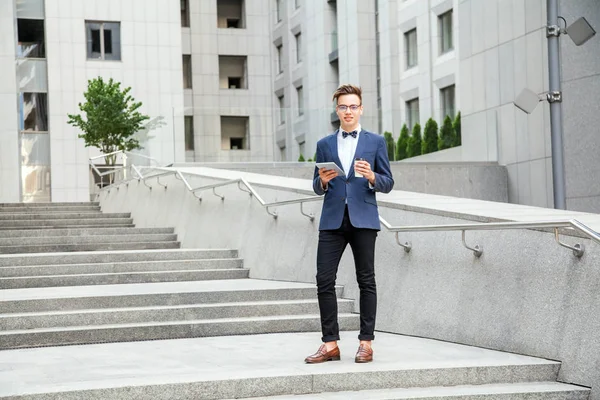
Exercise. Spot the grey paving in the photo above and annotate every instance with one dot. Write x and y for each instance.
(254, 365)
(95, 239)
(113, 256)
(508, 391)
(120, 267)
(60, 215)
(48, 208)
(56, 204)
(54, 319)
(102, 231)
(142, 245)
(54, 222)
(121, 278)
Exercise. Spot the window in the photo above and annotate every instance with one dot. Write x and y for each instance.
(412, 113)
(103, 40)
(279, 10)
(234, 133)
(281, 110)
(298, 47)
(448, 102)
(445, 27)
(297, 3)
(185, 13)
(410, 43)
(232, 72)
(300, 100)
(231, 14)
(189, 133)
(187, 71)
(31, 38)
(33, 112)
(279, 59)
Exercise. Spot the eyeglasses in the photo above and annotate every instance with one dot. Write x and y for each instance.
(344, 108)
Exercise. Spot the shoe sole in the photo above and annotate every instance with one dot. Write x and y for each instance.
(321, 362)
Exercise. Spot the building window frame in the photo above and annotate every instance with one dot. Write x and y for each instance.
(100, 43)
(298, 37)
(281, 100)
(279, 59)
(187, 71)
(448, 101)
(411, 48)
(279, 10)
(412, 113)
(189, 132)
(185, 13)
(446, 33)
(300, 99)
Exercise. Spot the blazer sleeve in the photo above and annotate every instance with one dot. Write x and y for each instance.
(384, 182)
(317, 187)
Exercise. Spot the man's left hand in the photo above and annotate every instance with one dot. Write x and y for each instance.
(364, 168)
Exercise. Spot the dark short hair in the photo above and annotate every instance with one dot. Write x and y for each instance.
(347, 89)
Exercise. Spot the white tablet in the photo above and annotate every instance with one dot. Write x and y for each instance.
(331, 165)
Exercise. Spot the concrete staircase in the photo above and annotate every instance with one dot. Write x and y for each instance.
(119, 296)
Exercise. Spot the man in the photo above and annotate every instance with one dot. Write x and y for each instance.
(349, 216)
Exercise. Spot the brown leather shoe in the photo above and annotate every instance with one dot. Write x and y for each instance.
(323, 355)
(363, 355)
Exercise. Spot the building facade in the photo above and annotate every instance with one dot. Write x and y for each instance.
(251, 80)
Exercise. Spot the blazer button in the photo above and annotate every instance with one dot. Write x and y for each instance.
(343, 198)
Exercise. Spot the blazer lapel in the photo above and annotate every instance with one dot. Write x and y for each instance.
(359, 149)
(334, 149)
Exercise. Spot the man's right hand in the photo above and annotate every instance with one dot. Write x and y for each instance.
(326, 175)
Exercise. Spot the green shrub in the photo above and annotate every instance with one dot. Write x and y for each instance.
(402, 145)
(446, 139)
(456, 126)
(389, 142)
(414, 143)
(430, 137)
(301, 158)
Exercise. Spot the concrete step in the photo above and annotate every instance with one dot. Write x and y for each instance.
(57, 204)
(164, 313)
(119, 267)
(64, 226)
(11, 260)
(48, 209)
(60, 215)
(122, 278)
(168, 330)
(151, 294)
(498, 391)
(255, 365)
(50, 248)
(157, 237)
(97, 231)
(62, 223)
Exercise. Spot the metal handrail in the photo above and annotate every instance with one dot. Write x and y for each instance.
(578, 249)
(573, 224)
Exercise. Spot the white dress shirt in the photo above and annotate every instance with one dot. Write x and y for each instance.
(347, 149)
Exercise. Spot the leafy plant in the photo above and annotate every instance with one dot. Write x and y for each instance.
(414, 143)
(430, 137)
(389, 142)
(110, 118)
(402, 145)
(301, 158)
(446, 139)
(456, 126)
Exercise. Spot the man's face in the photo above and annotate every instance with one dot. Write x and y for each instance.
(349, 109)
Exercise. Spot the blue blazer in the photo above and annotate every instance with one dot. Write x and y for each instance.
(362, 204)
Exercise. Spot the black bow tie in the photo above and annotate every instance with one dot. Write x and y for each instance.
(346, 134)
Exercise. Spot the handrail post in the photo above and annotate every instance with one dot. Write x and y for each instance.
(406, 245)
(578, 248)
(477, 250)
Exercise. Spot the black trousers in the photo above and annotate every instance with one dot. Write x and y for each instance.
(332, 244)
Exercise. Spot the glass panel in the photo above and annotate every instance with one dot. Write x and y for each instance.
(189, 133)
(299, 47)
(36, 183)
(35, 149)
(93, 40)
(412, 113)
(300, 101)
(187, 71)
(281, 110)
(278, 10)
(185, 15)
(446, 32)
(30, 9)
(448, 101)
(112, 41)
(30, 33)
(280, 59)
(411, 48)
(33, 109)
(31, 75)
